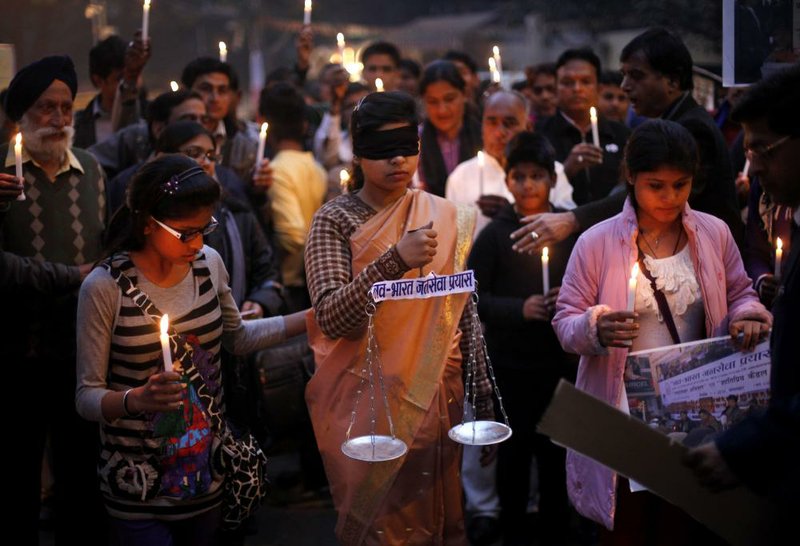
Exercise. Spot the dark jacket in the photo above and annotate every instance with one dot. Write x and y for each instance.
(43, 277)
(85, 135)
(596, 182)
(763, 449)
(432, 167)
(505, 280)
(261, 271)
(713, 189)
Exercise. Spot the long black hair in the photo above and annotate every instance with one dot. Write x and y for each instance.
(441, 71)
(374, 111)
(148, 195)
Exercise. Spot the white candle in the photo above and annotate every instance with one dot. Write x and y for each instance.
(307, 13)
(340, 43)
(778, 257)
(344, 178)
(545, 270)
(497, 60)
(262, 142)
(145, 20)
(481, 161)
(632, 286)
(746, 168)
(174, 86)
(379, 85)
(18, 163)
(165, 349)
(595, 134)
(223, 52)
(493, 70)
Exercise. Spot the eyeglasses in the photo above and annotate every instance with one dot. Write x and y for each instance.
(187, 236)
(198, 153)
(763, 151)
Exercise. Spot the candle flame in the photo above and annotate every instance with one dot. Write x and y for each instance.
(778, 242)
(340, 39)
(593, 113)
(480, 158)
(146, 3)
(545, 253)
(164, 324)
(223, 46)
(264, 127)
(379, 85)
(635, 271)
(344, 176)
(492, 65)
(173, 85)
(307, 5)
(496, 51)
(19, 143)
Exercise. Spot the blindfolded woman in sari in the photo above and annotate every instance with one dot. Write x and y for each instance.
(379, 231)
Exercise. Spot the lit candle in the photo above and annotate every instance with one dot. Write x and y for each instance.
(497, 60)
(481, 161)
(545, 270)
(493, 70)
(340, 43)
(145, 20)
(778, 257)
(262, 142)
(379, 85)
(595, 134)
(223, 52)
(18, 162)
(344, 178)
(746, 168)
(632, 286)
(173, 85)
(165, 350)
(307, 13)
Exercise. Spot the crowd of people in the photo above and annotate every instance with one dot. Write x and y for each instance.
(138, 208)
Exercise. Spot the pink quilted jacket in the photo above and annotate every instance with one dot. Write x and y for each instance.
(596, 282)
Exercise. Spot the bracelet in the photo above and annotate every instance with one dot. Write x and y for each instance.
(125, 409)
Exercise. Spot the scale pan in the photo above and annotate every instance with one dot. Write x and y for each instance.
(375, 448)
(480, 433)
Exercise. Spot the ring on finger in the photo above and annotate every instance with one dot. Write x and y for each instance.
(534, 235)
(580, 158)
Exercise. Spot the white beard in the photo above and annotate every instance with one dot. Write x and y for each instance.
(46, 151)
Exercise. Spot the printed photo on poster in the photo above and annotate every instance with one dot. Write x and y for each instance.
(692, 391)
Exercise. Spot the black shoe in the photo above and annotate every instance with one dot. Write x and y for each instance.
(483, 531)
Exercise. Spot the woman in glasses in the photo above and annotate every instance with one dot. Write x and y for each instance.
(160, 481)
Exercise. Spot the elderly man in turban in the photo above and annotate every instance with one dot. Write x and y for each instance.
(60, 221)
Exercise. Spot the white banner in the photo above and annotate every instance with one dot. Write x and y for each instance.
(431, 286)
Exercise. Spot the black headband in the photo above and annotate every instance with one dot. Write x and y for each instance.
(387, 144)
(172, 186)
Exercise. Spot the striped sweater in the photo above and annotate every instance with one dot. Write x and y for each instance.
(142, 473)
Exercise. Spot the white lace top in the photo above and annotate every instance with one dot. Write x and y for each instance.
(676, 278)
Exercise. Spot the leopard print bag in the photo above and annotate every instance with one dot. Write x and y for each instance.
(246, 485)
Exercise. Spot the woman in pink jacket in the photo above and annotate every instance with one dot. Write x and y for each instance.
(697, 267)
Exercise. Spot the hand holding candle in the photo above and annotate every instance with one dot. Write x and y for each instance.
(145, 20)
(545, 271)
(18, 164)
(165, 348)
(595, 132)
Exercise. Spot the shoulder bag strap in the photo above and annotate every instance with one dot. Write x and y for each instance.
(661, 300)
